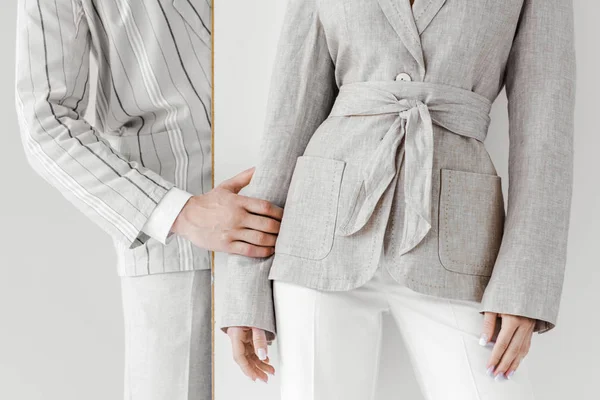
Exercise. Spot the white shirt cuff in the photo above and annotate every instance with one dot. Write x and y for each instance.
(158, 226)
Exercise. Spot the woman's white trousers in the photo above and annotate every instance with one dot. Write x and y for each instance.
(330, 343)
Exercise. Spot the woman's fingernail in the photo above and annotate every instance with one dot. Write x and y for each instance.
(262, 354)
(510, 374)
(500, 377)
(490, 371)
(483, 339)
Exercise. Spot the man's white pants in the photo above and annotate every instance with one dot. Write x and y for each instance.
(168, 336)
(329, 343)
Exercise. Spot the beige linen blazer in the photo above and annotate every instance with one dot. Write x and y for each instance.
(374, 144)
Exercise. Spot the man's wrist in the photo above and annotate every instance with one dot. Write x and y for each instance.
(160, 223)
(182, 221)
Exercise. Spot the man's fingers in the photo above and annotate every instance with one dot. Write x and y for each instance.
(239, 181)
(261, 207)
(250, 250)
(256, 238)
(259, 340)
(261, 223)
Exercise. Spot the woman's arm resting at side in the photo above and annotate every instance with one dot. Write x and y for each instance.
(302, 92)
(528, 274)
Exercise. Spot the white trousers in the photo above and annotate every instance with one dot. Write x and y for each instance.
(168, 336)
(329, 343)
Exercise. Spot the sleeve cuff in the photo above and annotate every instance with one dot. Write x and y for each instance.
(158, 226)
(248, 297)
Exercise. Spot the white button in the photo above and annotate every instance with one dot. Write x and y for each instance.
(403, 76)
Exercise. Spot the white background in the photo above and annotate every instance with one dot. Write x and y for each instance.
(564, 363)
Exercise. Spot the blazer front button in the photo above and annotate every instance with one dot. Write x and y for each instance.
(403, 76)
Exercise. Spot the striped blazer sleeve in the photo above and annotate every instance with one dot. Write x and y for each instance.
(52, 89)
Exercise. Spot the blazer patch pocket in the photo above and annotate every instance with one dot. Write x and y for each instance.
(310, 211)
(471, 221)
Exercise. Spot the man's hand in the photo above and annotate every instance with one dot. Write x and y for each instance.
(249, 347)
(512, 344)
(222, 220)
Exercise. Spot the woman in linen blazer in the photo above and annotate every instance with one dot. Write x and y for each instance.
(361, 84)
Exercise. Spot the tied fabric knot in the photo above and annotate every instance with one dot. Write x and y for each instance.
(408, 106)
(417, 133)
(413, 103)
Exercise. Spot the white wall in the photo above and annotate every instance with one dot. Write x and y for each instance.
(245, 37)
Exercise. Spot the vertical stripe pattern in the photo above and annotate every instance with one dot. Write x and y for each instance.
(153, 129)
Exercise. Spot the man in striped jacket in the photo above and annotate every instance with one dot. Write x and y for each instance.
(142, 169)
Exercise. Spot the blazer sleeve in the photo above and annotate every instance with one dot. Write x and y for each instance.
(301, 94)
(540, 76)
(52, 89)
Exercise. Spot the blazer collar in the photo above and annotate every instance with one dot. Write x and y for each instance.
(424, 11)
(409, 24)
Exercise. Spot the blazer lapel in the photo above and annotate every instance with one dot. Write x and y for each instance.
(400, 16)
(424, 11)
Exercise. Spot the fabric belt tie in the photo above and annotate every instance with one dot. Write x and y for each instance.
(418, 105)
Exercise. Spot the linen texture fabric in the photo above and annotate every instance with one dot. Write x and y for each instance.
(316, 164)
(168, 330)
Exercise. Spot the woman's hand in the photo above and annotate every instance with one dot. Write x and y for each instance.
(512, 344)
(223, 220)
(249, 347)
